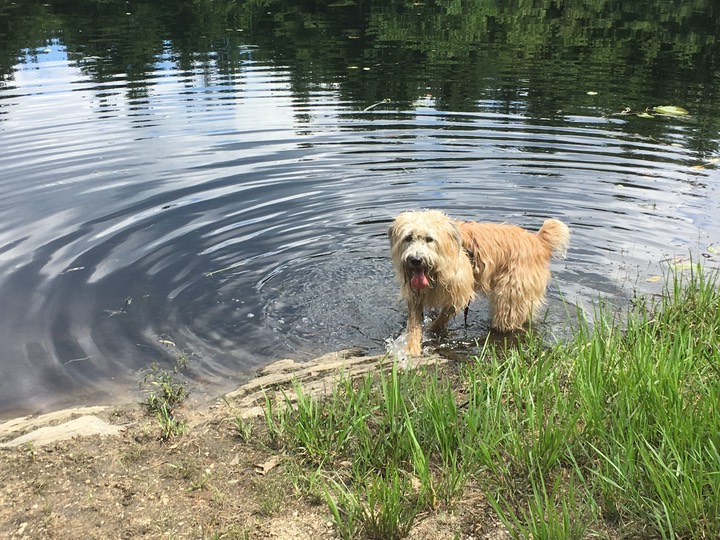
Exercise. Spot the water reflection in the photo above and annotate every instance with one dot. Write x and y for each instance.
(220, 178)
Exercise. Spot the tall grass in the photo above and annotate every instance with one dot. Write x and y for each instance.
(615, 429)
(649, 396)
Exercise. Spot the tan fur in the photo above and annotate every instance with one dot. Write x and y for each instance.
(435, 239)
(507, 263)
(512, 267)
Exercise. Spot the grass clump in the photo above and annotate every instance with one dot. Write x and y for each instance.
(615, 429)
(165, 395)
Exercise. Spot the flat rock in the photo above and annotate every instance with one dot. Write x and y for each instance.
(28, 423)
(82, 426)
(318, 377)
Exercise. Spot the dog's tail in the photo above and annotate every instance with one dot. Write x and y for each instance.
(556, 235)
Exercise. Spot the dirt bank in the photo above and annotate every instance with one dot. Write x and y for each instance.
(104, 472)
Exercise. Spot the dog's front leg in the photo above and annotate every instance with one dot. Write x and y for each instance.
(439, 325)
(414, 331)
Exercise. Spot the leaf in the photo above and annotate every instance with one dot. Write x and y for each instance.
(591, 93)
(683, 265)
(264, 468)
(671, 110)
(644, 115)
(713, 249)
(654, 279)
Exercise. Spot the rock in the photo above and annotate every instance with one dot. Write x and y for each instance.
(318, 377)
(27, 423)
(78, 427)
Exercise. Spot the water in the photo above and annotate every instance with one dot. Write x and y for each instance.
(216, 181)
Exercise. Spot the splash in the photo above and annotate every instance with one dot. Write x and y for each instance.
(398, 348)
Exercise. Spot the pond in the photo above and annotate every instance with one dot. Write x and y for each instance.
(213, 181)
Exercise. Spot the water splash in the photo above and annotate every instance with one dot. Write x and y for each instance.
(398, 348)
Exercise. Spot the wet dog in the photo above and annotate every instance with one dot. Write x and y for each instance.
(441, 263)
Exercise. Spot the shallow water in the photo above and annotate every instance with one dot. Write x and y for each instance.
(218, 184)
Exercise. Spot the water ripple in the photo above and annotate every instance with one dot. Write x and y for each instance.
(243, 224)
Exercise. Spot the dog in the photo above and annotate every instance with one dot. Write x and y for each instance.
(443, 263)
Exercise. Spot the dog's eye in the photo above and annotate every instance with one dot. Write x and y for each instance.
(429, 239)
(408, 238)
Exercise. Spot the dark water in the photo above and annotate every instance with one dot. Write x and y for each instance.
(215, 179)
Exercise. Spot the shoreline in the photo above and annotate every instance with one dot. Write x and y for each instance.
(246, 401)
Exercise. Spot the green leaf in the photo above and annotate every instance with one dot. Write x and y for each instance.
(713, 249)
(683, 265)
(671, 110)
(644, 115)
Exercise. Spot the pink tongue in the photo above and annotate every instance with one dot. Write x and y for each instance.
(419, 280)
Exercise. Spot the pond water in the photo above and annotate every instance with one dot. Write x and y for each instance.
(215, 180)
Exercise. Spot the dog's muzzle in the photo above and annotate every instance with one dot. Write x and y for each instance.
(418, 273)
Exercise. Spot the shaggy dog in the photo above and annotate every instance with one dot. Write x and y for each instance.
(441, 263)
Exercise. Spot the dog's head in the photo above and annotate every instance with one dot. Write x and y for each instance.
(422, 245)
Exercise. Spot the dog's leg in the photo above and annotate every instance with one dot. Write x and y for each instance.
(439, 325)
(414, 331)
(510, 311)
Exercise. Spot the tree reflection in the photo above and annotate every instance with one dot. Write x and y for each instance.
(540, 58)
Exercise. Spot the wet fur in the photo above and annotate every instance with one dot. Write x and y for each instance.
(507, 263)
(435, 239)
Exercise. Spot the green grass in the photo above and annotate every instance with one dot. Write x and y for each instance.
(613, 433)
(166, 394)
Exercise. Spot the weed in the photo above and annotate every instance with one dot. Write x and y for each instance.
(244, 429)
(271, 495)
(231, 533)
(165, 395)
(30, 451)
(547, 512)
(385, 507)
(200, 482)
(166, 392)
(170, 426)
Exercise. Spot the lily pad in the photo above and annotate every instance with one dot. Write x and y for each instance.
(683, 265)
(671, 110)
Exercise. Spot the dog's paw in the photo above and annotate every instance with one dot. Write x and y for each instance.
(438, 327)
(414, 350)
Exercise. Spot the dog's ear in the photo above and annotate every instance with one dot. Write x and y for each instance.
(393, 233)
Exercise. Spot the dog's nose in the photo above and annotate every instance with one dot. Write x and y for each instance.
(415, 261)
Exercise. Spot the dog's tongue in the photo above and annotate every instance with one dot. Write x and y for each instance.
(419, 280)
